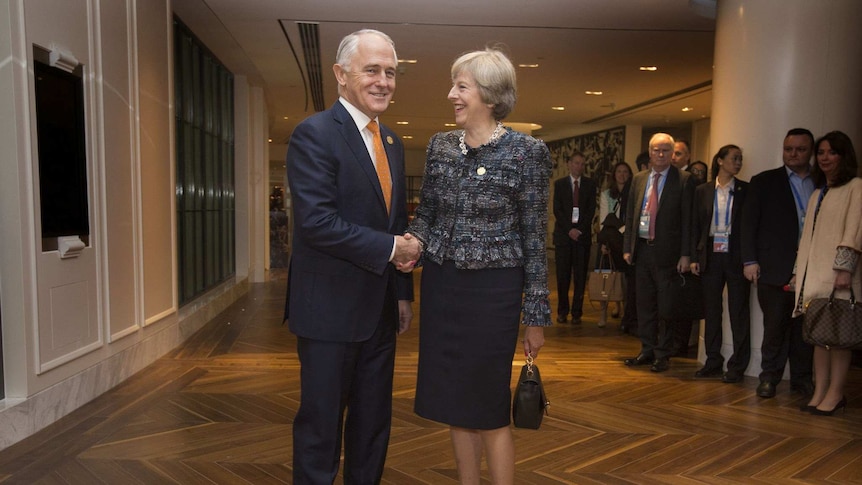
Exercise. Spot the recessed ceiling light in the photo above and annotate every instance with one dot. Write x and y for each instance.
(402, 122)
(407, 61)
(648, 68)
(285, 117)
(686, 109)
(449, 124)
(528, 66)
(407, 137)
(392, 102)
(558, 108)
(270, 140)
(593, 93)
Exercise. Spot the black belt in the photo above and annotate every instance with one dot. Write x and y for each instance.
(648, 242)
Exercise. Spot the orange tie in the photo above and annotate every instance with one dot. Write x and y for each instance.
(381, 164)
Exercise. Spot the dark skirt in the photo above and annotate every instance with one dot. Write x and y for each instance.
(468, 331)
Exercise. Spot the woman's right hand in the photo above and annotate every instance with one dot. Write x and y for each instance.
(534, 339)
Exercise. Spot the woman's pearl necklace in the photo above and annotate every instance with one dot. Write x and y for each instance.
(497, 131)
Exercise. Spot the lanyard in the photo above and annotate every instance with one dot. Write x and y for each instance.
(727, 209)
(800, 204)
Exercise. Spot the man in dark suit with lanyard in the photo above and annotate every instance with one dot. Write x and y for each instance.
(657, 241)
(574, 209)
(347, 300)
(771, 227)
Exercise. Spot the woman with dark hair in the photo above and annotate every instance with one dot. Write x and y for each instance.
(717, 258)
(482, 220)
(610, 237)
(828, 257)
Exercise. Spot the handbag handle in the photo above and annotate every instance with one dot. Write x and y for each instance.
(852, 296)
(609, 258)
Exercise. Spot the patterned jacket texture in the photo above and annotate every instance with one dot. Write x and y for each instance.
(489, 209)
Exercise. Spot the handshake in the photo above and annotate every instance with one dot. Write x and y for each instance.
(407, 252)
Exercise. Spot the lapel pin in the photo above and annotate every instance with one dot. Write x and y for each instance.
(480, 170)
(389, 140)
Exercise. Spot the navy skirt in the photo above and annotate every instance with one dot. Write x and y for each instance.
(468, 333)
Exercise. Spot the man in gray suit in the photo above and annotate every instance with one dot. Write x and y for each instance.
(657, 241)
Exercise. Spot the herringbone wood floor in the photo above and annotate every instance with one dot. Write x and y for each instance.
(219, 410)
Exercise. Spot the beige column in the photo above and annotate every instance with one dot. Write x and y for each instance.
(782, 64)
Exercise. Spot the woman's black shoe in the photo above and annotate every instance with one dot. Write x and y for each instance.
(841, 405)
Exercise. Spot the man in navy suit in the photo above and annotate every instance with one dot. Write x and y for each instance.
(347, 299)
(771, 227)
(573, 235)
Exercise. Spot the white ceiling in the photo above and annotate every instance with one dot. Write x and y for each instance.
(580, 45)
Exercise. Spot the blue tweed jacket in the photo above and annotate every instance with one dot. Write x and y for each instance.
(489, 209)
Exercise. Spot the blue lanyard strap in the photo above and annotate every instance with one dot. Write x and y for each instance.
(800, 204)
(727, 209)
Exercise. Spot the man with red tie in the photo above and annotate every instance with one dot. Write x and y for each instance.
(657, 241)
(574, 209)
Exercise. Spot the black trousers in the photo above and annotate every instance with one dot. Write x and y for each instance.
(352, 375)
(719, 272)
(572, 260)
(656, 335)
(782, 338)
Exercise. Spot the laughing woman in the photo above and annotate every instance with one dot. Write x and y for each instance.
(482, 222)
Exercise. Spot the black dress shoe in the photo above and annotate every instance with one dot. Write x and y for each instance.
(576, 320)
(766, 389)
(804, 388)
(641, 359)
(660, 365)
(705, 372)
(561, 319)
(731, 377)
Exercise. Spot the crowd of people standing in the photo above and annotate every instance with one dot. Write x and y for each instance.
(480, 234)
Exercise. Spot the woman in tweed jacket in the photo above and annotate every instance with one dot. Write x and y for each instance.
(482, 222)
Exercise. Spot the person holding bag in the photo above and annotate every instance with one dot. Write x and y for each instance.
(610, 237)
(482, 221)
(828, 261)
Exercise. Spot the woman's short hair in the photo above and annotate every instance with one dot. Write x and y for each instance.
(847, 169)
(722, 152)
(495, 76)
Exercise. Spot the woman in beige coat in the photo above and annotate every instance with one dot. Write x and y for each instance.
(828, 257)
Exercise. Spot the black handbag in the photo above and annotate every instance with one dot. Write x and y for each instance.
(529, 404)
(832, 322)
(680, 297)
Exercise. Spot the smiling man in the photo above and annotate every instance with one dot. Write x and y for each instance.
(347, 299)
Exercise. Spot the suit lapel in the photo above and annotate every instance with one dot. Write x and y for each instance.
(354, 140)
(669, 185)
(738, 197)
(709, 203)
